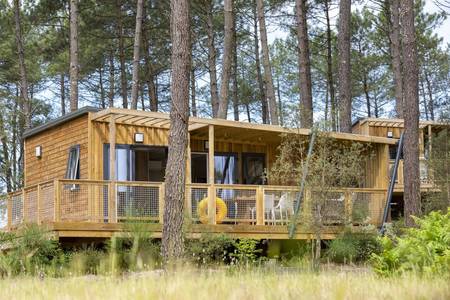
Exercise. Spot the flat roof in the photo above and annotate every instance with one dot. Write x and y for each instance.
(60, 120)
(162, 120)
(384, 122)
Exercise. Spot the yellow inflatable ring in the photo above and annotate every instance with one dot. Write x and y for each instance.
(221, 210)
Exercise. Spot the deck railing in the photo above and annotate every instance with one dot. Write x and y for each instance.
(425, 173)
(112, 202)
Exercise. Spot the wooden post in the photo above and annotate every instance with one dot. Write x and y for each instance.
(161, 202)
(112, 170)
(260, 205)
(348, 207)
(57, 201)
(9, 209)
(38, 196)
(111, 202)
(24, 206)
(187, 195)
(211, 189)
(188, 160)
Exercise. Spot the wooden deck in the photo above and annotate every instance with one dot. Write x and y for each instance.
(94, 208)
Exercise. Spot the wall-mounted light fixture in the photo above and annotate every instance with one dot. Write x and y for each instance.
(390, 134)
(138, 137)
(38, 151)
(206, 145)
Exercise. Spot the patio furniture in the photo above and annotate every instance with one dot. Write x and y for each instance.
(269, 205)
(284, 207)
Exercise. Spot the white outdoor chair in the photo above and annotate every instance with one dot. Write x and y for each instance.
(269, 205)
(285, 207)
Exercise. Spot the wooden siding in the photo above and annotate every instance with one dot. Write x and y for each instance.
(55, 144)
(124, 135)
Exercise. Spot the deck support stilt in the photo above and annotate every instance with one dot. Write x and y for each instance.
(211, 189)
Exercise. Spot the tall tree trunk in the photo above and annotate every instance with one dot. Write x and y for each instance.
(424, 97)
(172, 236)
(262, 93)
(304, 64)
(62, 86)
(149, 75)
(396, 56)
(411, 113)
(142, 88)
(101, 87)
(270, 91)
(376, 107)
(366, 93)
(247, 109)
(16, 164)
(212, 53)
(193, 100)
(136, 48)
(280, 103)
(430, 96)
(234, 92)
(111, 79)
(227, 59)
(345, 90)
(5, 155)
(330, 77)
(74, 67)
(25, 101)
(123, 71)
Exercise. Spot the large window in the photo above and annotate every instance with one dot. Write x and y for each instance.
(225, 168)
(73, 163)
(253, 168)
(137, 163)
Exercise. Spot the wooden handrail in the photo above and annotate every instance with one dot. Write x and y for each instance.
(94, 191)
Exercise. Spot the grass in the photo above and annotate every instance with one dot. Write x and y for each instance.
(228, 284)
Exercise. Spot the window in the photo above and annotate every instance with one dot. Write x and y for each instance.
(73, 163)
(137, 163)
(253, 168)
(393, 152)
(225, 168)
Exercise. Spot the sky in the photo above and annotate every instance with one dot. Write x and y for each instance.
(444, 30)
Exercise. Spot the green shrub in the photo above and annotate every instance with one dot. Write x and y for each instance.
(209, 249)
(32, 250)
(246, 252)
(425, 249)
(354, 247)
(85, 261)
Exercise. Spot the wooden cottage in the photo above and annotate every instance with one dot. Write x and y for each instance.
(90, 171)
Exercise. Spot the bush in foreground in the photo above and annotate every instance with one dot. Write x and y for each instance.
(424, 250)
(350, 247)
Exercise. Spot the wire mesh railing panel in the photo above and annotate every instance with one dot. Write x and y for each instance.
(197, 194)
(16, 209)
(368, 207)
(137, 202)
(240, 204)
(84, 201)
(46, 202)
(328, 208)
(31, 205)
(279, 205)
(74, 202)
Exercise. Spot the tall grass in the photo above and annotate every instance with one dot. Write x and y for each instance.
(222, 284)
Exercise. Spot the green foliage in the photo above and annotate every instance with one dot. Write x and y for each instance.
(425, 250)
(210, 249)
(32, 250)
(353, 247)
(221, 249)
(246, 252)
(86, 261)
